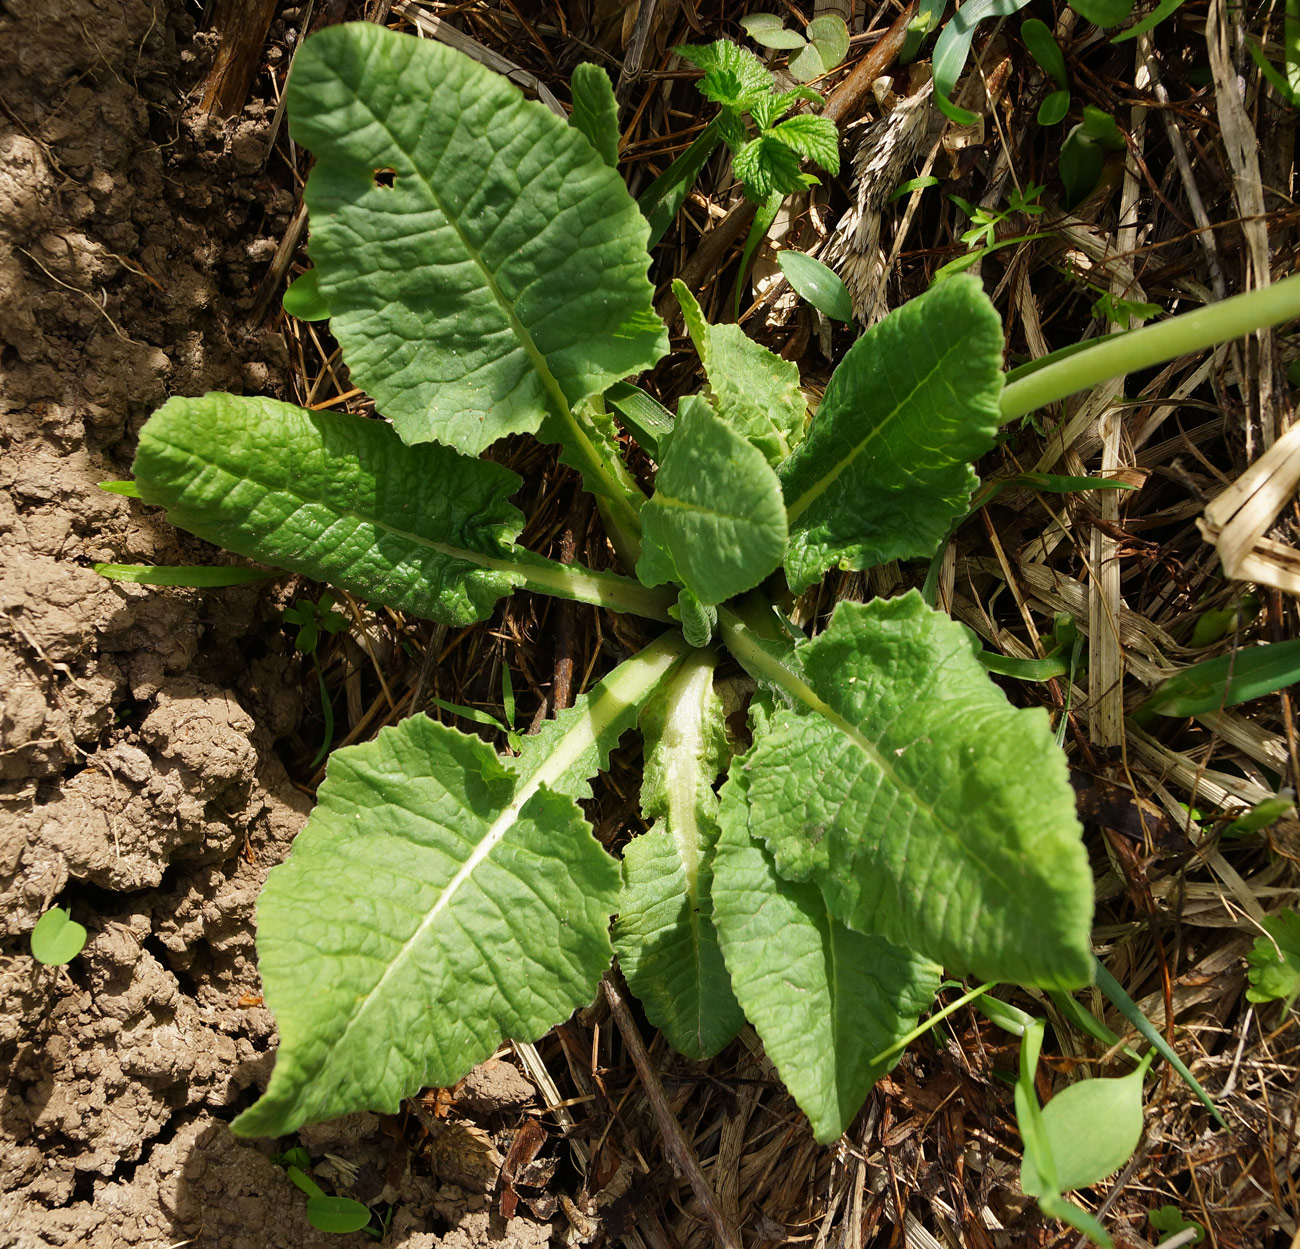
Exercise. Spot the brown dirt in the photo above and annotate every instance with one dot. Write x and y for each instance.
(138, 776)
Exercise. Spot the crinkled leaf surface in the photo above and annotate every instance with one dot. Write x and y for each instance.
(733, 76)
(768, 167)
(925, 807)
(814, 138)
(336, 497)
(431, 907)
(716, 522)
(886, 465)
(439, 900)
(595, 111)
(754, 391)
(826, 1000)
(501, 275)
(664, 934)
(1273, 975)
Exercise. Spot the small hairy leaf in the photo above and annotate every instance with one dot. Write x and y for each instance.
(807, 64)
(733, 76)
(483, 266)
(776, 37)
(595, 111)
(826, 1000)
(924, 823)
(57, 938)
(814, 138)
(338, 498)
(886, 466)
(831, 37)
(664, 934)
(768, 167)
(752, 389)
(1271, 976)
(716, 523)
(1090, 1130)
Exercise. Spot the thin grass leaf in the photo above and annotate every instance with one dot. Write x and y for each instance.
(1225, 681)
(1128, 1008)
(194, 576)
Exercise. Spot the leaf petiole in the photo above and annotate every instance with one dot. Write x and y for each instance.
(1152, 345)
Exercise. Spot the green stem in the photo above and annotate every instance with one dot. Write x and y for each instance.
(1152, 345)
(616, 491)
(582, 585)
(755, 640)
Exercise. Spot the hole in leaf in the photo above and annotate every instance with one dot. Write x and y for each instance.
(386, 177)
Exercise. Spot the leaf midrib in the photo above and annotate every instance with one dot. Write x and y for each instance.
(824, 483)
(659, 658)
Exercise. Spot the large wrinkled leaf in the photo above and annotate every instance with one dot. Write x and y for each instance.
(925, 807)
(338, 498)
(886, 466)
(341, 499)
(664, 933)
(438, 901)
(502, 274)
(754, 391)
(716, 523)
(826, 1000)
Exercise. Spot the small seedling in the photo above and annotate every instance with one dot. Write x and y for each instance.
(1275, 961)
(818, 284)
(766, 152)
(823, 46)
(57, 938)
(1171, 1225)
(1084, 152)
(338, 1215)
(311, 618)
(477, 715)
(1051, 60)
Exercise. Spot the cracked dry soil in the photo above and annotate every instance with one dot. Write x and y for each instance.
(139, 783)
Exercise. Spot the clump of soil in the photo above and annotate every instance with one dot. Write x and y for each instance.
(138, 778)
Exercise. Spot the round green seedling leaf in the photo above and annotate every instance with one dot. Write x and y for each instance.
(819, 285)
(337, 1214)
(1045, 50)
(1053, 109)
(302, 298)
(1091, 1130)
(830, 36)
(57, 938)
(807, 64)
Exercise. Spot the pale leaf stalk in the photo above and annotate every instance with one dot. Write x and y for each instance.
(617, 495)
(1152, 345)
(628, 686)
(684, 738)
(583, 585)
